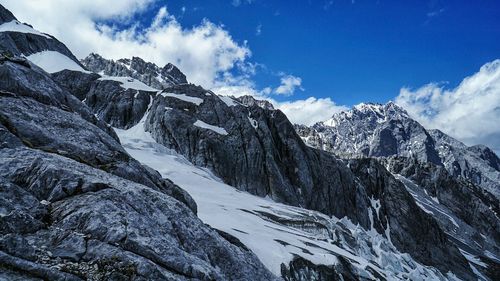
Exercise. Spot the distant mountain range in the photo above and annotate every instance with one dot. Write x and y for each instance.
(376, 130)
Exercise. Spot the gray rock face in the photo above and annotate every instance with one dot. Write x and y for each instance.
(478, 163)
(75, 206)
(301, 269)
(251, 101)
(260, 153)
(6, 15)
(464, 211)
(372, 130)
(119, 107)
(411, 229)
(75, 82)
(468, 202)
(146, 72)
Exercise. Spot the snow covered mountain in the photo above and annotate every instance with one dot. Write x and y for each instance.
(375, 130)
(146, 72)
(110, 176)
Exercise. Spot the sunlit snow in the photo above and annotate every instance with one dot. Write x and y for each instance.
(130, 83)
(184, 97)
(216, 129)
(52, 61)
(16, 26)
(249, 218)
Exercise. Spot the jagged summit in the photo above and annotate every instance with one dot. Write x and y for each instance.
(6, 15)
(250, 101)
(382, 130)
(146, 72)
(375, 112)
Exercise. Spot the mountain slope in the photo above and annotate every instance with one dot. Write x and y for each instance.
(256, 149)
(374, 130)
(75, 206)
(296, 243)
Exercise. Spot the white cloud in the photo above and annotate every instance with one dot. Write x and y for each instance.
(237, 3)
(305, 112)
(470, 112)
(258, 30)
(310, 110)
(288, 85)
(202, 52)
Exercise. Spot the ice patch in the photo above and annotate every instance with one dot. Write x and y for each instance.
(52, 61)
(228, 101)
(216, 129)
(16, 26)
(253, 122)
(130, 83)
(184, 97)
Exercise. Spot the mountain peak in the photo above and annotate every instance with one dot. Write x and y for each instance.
(6, 15)
(388, 109)
(146, 72)
(382, 130)
(368, 112)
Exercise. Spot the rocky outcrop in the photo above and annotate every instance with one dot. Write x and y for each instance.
(75, 82)
(374, 130)
(146, 72)
(119, 107)
(253, 149)
(76, 206)
(301, 269)
(251, 101)
(411, 229)
(464, 211)
(478, 163)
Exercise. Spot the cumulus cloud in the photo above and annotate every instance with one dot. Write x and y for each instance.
(203, 52)
(310, 110)
(238, 3)
(288, 85)
(258, 30)
(470, 112)
(306, 112)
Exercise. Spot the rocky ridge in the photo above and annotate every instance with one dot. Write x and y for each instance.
(375, 130)
(146, 72)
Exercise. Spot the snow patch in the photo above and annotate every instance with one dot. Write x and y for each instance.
(228, 101)
(253, 122)
(184, 97)
(239, 213)
(16, 26)
(52, 61)
(130, 83)
(216, 129)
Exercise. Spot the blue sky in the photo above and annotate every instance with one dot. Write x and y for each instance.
(356, 51)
